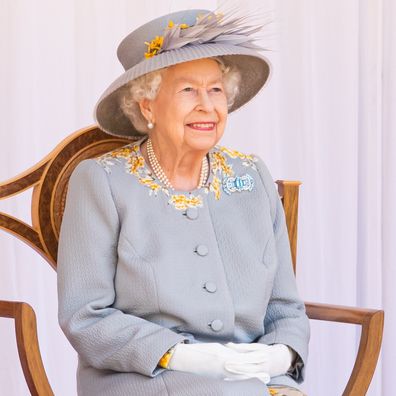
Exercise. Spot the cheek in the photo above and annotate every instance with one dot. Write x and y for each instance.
(181, 109)
(171, 111)
(222, 108)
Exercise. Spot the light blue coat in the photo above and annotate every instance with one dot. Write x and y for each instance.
(140, 269)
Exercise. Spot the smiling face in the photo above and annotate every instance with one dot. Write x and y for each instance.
(190, 109)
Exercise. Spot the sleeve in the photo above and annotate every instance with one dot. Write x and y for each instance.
(286, 321)
(103, 336)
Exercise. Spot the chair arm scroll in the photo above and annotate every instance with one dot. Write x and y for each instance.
(28, 346)
(372, 322)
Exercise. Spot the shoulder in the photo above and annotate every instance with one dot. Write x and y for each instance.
(237, 157)
(89, 186)
(233, 153)
(230, 158)
(89, 174)
(127, 154)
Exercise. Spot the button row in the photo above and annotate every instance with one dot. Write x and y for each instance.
(202, 250)
(217, 324)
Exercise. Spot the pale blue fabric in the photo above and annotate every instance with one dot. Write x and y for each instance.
(131, 285)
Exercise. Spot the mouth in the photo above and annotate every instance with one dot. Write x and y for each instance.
(202, 126)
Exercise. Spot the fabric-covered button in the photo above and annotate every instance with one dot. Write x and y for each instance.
(192, 213)
(210, 287)
(202, 250)
(216, 325)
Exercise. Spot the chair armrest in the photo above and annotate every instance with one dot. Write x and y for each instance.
(372, 322)
(28, 346)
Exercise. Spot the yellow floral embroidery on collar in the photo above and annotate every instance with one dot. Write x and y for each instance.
(147, 181)
(182, 202)
(215, 187)
(250, 159)
(220, 163)
(135, 164)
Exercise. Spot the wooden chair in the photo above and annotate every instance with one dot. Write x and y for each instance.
(49, 179)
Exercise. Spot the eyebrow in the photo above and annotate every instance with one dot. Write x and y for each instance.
(193, 79)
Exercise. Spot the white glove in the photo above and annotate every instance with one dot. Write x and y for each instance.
(273, 359)
(209, 359)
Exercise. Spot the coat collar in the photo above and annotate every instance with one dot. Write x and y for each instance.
(220, 168)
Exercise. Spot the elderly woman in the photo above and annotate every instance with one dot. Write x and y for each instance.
(174, 264)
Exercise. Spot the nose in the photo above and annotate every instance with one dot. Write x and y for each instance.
(205, 102)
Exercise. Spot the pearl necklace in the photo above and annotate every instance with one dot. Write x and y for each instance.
(161, 174)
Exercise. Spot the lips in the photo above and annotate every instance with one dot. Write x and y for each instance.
(202, 126)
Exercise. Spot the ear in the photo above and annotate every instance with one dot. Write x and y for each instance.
(146, 109)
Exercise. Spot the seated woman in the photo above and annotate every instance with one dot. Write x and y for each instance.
(174, 265)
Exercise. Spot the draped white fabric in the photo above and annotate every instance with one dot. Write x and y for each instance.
(327, 118)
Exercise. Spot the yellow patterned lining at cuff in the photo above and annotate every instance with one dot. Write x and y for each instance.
(164, 361)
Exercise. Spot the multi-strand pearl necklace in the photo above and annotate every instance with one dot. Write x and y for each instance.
(156, 167)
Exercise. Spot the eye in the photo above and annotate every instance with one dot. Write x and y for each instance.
(188, 89)
(217, 89)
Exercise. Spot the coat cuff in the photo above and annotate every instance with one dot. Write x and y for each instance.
(297, 370)
(161, 344)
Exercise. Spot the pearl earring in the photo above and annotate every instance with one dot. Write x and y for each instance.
(150, 125)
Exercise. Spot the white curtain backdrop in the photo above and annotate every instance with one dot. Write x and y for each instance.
(326, 118)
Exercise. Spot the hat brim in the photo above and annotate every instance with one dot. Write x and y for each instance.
(255, 72)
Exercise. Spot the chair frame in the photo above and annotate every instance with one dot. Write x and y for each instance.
(49, 179)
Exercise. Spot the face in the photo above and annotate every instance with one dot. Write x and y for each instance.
(190, 109)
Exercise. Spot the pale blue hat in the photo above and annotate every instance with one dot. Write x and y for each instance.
(204, 37)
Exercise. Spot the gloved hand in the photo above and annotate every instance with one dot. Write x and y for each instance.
(273, 359)
(209, 359)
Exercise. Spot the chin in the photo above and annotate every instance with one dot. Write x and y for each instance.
(202, 140)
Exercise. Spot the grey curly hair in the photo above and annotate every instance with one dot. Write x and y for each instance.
(147, 86)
